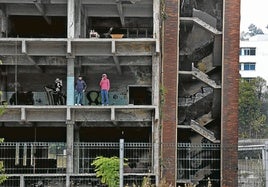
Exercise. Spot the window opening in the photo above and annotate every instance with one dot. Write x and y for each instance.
(140, 95)
(248, 51)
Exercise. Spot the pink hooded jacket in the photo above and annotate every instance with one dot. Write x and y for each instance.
(105, 84)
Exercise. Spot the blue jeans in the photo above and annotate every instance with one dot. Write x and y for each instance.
(104, 97)
(79, 98)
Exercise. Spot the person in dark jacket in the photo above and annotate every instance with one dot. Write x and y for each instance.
(80, 88)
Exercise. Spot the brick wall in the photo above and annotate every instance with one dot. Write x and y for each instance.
(230, 78)
(170, 83)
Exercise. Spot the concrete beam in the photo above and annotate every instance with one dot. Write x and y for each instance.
(201, 23)
(84, 2)
(29, 58)
(125, 113)
(31, 10)
(202, 77)
(116, 60)
(120, 12)
(41, 8)
(83, 47)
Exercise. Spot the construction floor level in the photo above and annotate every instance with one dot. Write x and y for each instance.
(50, 141)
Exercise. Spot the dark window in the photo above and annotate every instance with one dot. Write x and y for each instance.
(249, 66)
(140, 95)
(248, 51)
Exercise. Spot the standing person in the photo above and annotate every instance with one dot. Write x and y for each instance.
(80, 88)
(58, 97)
(58, 85)
(105, 87)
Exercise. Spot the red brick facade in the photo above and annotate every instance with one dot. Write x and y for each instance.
(229, 123)
(230, 76)
(170, 84)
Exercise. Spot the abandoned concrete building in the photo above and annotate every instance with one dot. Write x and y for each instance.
(173, 69)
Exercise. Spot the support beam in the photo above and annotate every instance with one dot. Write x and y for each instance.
(156, 122)
(117, 64)
(76, 148)
(41, 8)
(70, 81)
(70, 143)
(116, 60)
(24, 51)
(71, 19)
(120, 11)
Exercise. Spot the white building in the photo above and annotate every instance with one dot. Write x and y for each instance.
(254, 57)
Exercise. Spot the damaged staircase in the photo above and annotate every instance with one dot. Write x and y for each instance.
(199, 92)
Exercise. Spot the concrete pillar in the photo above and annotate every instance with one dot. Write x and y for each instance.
(70, 143)
(3, 23)
(155, 90)
(70, 81)
(78, 12)
(71, 19)
(70, 61)
(3, 86)
(155, 123)
(76, 149)
(22, 181)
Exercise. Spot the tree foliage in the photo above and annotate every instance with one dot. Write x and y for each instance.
(252, 31)
(2, 169)
(108, 170)
(252, 99)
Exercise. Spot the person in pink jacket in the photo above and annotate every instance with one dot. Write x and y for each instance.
(105, 87)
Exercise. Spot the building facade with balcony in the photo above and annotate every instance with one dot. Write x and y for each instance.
(173, 96)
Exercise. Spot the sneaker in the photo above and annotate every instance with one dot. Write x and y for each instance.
(79, 104)
(75, 104)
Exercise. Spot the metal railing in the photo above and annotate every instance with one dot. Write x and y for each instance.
(44, 163)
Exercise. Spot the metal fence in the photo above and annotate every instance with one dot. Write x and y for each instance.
(199, 164)
(44, 163)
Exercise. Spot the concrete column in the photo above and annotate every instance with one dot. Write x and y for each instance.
(70, 81)
(3, 23)
(76, 150)
(22, 181)
(155, 90)
(265, 160)
(78, 17)
(3, 86)
(71, 19)
(155, 123)
(70, 61)
(70, 143)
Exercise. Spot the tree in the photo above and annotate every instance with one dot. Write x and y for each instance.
(2, 169)
(252, 117)
(252, 31)
(108, 170)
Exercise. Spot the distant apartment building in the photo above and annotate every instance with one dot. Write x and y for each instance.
(254, 57)
(173, 67)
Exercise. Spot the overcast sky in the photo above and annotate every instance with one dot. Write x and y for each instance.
(256, 12)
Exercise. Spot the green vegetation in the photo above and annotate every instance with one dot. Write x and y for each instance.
(252, 108)
(2, 169)
(108, 170)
